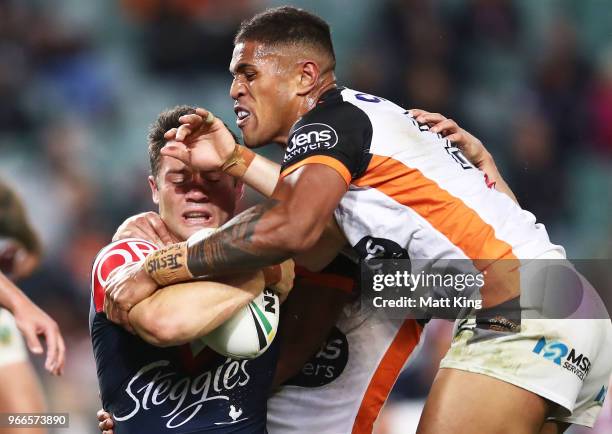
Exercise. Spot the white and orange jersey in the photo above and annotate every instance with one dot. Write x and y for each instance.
(411, 193)
(343, 387)
(409, 185)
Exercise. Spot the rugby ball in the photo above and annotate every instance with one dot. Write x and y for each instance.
(250, 331)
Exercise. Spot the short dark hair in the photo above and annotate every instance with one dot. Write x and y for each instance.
(288, 25)
(167, 120)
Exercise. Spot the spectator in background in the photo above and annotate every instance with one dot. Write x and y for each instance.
(188, 36)
(536, 176)
(600, 105)
(559, 84)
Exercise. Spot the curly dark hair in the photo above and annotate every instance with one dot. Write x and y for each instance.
(288, 25)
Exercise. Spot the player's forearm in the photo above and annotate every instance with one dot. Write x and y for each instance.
(489, 167)
(325, 250)
(10, 294)
(262, 175)
(260, 236)
(253, 169)
(263, 235)
(180, 313)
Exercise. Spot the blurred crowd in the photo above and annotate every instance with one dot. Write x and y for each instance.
(81, 81)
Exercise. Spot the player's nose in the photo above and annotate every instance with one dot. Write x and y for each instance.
(196, 193)
(237, 89)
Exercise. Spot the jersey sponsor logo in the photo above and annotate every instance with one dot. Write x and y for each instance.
(379, 248)
(601, 396)
(157, 384)
(310, 138)
(234, 414)
(564, 356)
(325, 366)
(114, 256)
(265, 331)
(369, 98)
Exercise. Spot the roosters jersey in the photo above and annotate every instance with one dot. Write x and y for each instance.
(183, 389)
(410, 188)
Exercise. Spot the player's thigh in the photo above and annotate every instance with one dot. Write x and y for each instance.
(462, 402)
(21, 390)
(20, 393)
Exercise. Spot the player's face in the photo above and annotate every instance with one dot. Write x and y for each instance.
(190, 201)
(264, 92)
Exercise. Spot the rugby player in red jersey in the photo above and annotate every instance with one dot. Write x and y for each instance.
(162, 378)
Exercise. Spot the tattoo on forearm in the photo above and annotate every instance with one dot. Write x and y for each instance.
(231, 248)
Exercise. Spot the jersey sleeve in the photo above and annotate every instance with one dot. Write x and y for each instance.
(113, 256)
(337, 135)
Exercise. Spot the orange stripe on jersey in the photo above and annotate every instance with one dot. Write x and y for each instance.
(450, 216)
(321, 159)
(406, 339)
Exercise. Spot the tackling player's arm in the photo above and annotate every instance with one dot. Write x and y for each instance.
(253, 169)
(313, 181)
(275, 230)
(471, 146)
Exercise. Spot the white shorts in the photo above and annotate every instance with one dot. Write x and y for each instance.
(12, 347)
(568, 362)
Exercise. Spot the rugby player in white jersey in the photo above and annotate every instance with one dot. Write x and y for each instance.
(382, 174)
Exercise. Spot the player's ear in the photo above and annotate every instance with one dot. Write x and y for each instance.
(154, 190)
(309, 76)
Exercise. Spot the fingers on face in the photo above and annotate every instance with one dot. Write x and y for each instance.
(207, 115)
(183, 131)
(180, 152)
(170, 134)
(193, 119)
(160, 229)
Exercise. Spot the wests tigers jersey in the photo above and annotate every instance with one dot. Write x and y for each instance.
(410, 189)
